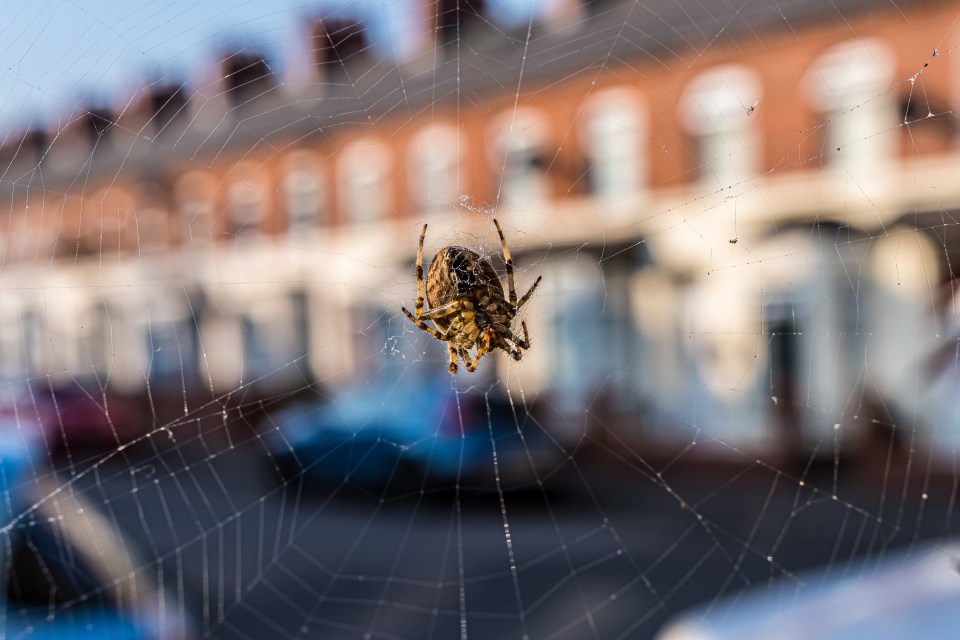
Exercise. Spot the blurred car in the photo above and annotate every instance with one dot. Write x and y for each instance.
(416, 433)
(913, 593)
(70, 417)
(66, 572)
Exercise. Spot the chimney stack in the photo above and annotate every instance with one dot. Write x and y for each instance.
(457, 18)
(246, 76)
(338, 45)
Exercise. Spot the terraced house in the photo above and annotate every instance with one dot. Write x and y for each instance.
(725, 203)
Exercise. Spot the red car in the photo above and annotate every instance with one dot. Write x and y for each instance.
(72, 416)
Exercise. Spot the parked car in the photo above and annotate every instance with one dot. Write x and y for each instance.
(71, 417)
(57, 580)
(908, 594)
(416, 432)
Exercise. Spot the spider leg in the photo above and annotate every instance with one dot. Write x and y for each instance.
(420, 287)
(482, 349)
(508, 260)
(514, 349)
(452, 350)
(529, 293)
(441, 312)
(436, 334)
(525, 343)
(518, 344)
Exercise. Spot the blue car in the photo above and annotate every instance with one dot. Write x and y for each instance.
(409, 435)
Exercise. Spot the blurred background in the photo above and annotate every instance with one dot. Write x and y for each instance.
(739, 413)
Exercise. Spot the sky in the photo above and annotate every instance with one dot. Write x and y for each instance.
(56, 55)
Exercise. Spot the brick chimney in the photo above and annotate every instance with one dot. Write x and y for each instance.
(246, 76)
(456, 19)
(339, 45)
(165, 102)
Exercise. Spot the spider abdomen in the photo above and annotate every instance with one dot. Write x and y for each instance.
(457, 273)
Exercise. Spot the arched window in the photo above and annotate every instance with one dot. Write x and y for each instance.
(848, 87)
(364, 172)
(195, 196)
(149, 230)
(614, 131)
(519, 157)
(32, 231)
(434, 161)
(103, 220)
(247, 199)
(304, 193)
(716, 109)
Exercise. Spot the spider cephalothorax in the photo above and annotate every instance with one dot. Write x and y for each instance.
(467, 303)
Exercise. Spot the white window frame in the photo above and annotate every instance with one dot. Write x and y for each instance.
(304, 192)
(518, 138)
(149, 231)
(435, 171)
(247, 201)
(194, 199)
(613, 136)
(848, 85)
(717, 108)
(364, 170)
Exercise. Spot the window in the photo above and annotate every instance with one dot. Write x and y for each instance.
(256, 354)
(364, 170)
(149, 229)
(577, 356)
(31, 236)
(519, 158)
(303, 192)
(614, 134)
(103, 220)
(172, 351)
(716, 109)
(246, 200)
(275, 337)
(848, 87)
(222, 336)
(906, 267)
(435, 180)
(194, 194)
(300, 335)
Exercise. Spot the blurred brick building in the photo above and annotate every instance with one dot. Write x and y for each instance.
(725, 203)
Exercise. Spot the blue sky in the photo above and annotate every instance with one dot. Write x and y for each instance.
(57, 54)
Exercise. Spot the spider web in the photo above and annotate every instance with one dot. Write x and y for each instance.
(737, 414)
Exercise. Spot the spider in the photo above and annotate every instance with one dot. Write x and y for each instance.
(467, 304)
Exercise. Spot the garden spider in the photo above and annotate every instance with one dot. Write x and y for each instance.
(467, 303)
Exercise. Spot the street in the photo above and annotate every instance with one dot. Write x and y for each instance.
(605, 550)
